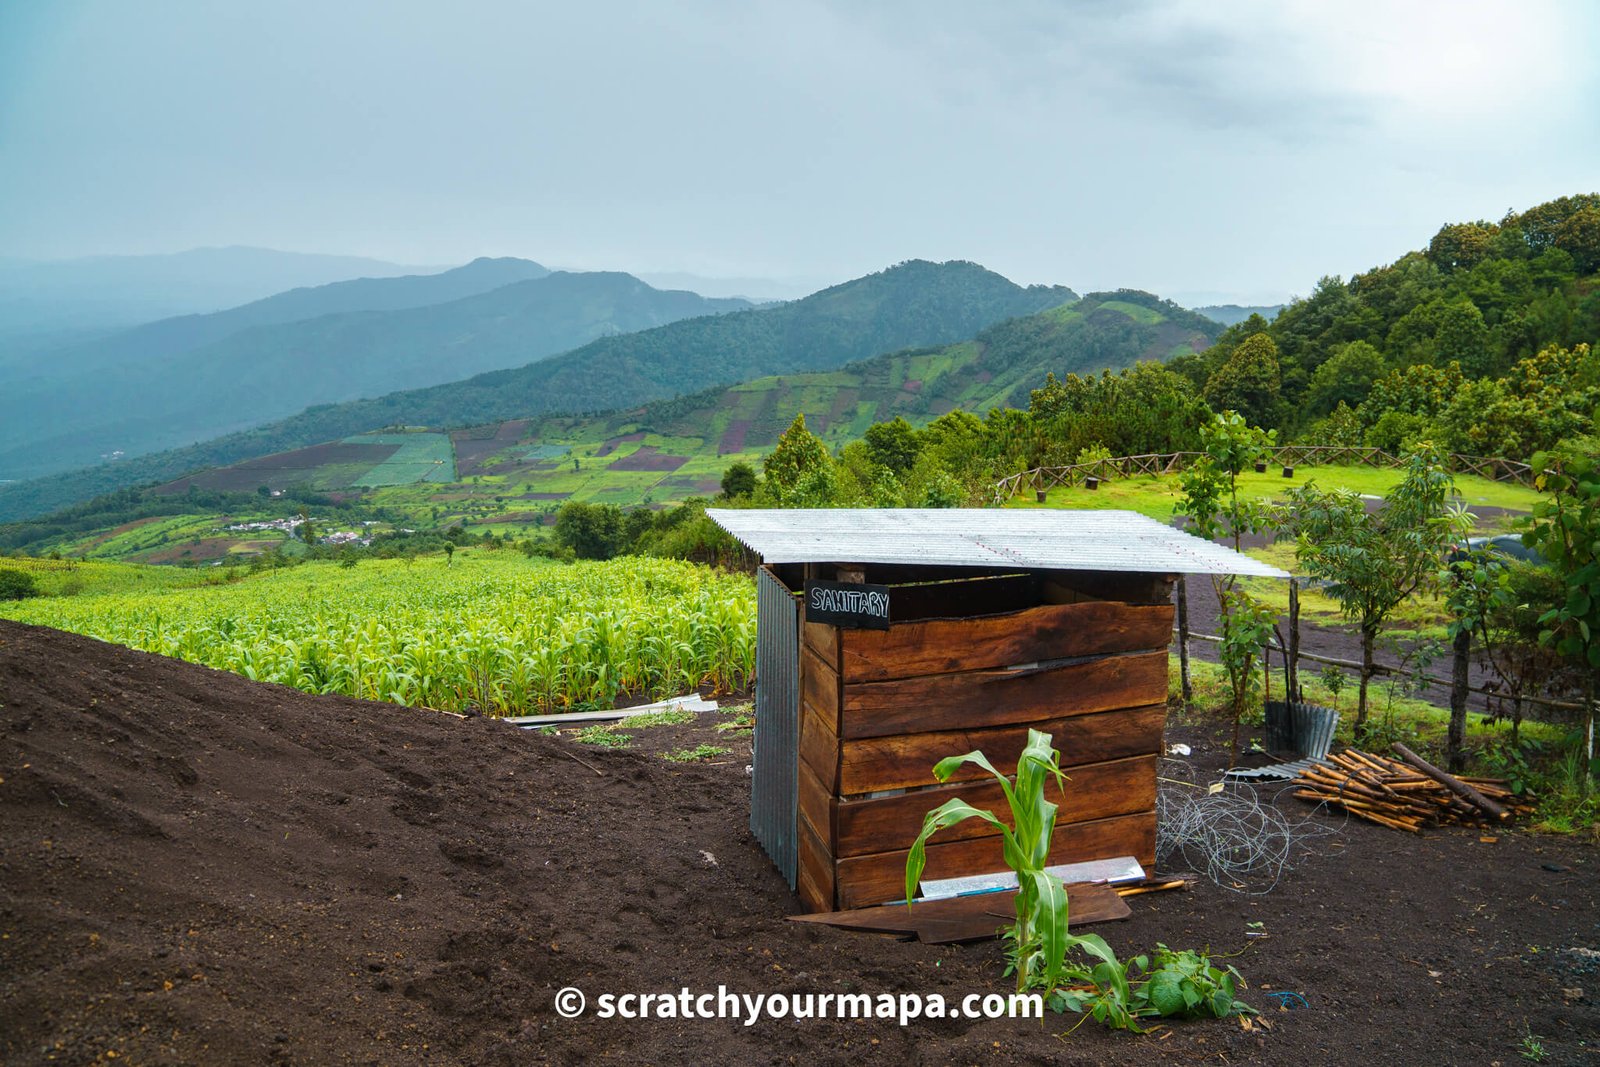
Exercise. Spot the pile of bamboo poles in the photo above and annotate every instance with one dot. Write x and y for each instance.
(1406, 793)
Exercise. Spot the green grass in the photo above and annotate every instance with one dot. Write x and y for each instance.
(601, 736)
(660, 718)
(1393, 715)
(694, 755)
(1155, 495)
(1136, 312)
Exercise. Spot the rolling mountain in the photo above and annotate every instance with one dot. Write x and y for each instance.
(913, 304)
(169, 383)
(100, 292)
(1231, 314)
(510, 474)
(184, 333)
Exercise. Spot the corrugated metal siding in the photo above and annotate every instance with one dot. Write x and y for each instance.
(774, 779)
(1045, 539)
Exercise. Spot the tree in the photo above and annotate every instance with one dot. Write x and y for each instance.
(739, 480)
(1250, 382)
(893, 444)
(1579, 237)
(1566, 531)
(1346, 377)
(1375, 561)
(1462, 245)
(798, 471)
(1211, 501)
(17, 585)
(591, 531)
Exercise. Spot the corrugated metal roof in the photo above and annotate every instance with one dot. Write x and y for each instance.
(1044, 539)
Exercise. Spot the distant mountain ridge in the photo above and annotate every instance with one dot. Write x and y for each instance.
(667, 450)
(1233, 314)
(134, 398)
(909, 305)
(97, 292)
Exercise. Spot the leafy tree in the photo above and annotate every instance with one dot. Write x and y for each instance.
(1461, 336)
(1566, 531)
(591, 531)
(1346, 377)
(1375, 561)
(1462, 245)
(893, 444)
(798, 471)
(1211, 501)
(739, 480)
(1249, 382)
(17, 585)
(1579, 237)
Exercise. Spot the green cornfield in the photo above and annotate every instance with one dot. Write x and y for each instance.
(492, 632)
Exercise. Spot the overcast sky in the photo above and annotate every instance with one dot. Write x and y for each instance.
(1203, 150)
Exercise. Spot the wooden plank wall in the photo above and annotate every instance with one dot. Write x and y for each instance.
(880, 707)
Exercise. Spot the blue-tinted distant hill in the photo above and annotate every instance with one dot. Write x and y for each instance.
(105, 292)
(155, 388)
(914, 304)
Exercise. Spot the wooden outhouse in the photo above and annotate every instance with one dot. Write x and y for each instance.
(890, 639)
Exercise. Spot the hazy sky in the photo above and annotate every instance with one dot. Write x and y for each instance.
(1197, 149)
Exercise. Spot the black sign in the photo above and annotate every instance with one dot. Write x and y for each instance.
(853, 607)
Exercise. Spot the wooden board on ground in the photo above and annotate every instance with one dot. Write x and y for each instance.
(971, 918)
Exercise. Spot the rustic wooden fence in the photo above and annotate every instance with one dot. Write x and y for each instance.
(1043, 479)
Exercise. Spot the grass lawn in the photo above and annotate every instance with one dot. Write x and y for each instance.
(1155, 495)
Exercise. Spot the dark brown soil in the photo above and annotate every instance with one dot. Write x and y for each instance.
(197, 869)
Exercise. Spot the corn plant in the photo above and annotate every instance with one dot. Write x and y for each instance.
(1039, 936)
(492, 633)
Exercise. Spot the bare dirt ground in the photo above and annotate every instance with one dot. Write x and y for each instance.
(198, 869)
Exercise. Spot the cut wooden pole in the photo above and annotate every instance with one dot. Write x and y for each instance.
(1183, 644)
(1452, 783)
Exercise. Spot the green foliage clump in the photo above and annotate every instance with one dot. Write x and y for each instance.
(1375, 561)
(1038, 942)
(601, 735)
(17, 585)
(697, 754)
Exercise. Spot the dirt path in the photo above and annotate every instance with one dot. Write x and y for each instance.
(197, 869)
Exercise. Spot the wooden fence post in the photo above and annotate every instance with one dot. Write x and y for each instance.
(1456, 737)
(1187, 687)
(1292, 669)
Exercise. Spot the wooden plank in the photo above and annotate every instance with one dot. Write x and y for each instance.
(817, 806)
(886, 824)
(816, 883)
(972, 918)
(864, 880)
(819, 747)
(977, 699)
(819, 687)
(869, 765)
(822, 640)
(1050, 631)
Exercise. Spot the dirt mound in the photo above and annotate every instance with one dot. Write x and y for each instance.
(195, 868)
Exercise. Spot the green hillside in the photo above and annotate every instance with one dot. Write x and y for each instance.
(147, 390)
(511, 475)
(915, 303)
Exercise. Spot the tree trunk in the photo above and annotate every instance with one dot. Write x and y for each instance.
(1367, 638)
(1462, 647)
(1183, 644)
